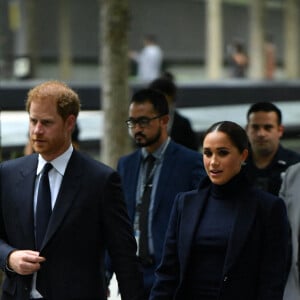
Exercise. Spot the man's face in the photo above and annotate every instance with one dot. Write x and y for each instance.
(149, 134)
(50, 135)
(264, 132)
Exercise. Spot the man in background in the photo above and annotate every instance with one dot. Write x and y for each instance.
(149, 195)
(179, 127)
(268, 159)
(149, 59)
(270, 57)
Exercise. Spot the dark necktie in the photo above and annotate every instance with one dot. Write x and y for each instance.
(43, 206)
(144, 210)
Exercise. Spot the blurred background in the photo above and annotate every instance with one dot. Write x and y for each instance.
(40, 38)
(68, 40)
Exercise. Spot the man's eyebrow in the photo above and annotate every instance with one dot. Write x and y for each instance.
(262, 125)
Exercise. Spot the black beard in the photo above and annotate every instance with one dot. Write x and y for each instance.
(148, 142)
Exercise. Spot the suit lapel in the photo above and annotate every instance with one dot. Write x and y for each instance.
(244, 218)
(69, 189)
(26, 182)
(130, 180)
(165, 174)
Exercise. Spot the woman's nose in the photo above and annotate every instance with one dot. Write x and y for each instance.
(214, 160)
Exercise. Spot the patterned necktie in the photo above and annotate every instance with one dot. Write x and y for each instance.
(43, 206)
(144, 210)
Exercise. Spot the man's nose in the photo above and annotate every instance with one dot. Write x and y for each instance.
(261, 131)
(38, 127)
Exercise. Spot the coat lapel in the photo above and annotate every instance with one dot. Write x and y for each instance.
(244, 218)
(192, 209)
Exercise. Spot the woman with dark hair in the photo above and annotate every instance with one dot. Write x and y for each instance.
(226, 240)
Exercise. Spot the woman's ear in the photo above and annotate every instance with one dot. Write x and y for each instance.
(245, 154)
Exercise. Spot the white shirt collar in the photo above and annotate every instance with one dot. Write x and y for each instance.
(59, 163)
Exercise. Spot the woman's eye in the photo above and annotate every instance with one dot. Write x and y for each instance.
(223, 152)
(207, 153)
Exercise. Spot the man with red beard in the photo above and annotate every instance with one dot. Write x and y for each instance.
(175, 169)
(268, 159)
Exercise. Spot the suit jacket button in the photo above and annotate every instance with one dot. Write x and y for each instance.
(225, 278)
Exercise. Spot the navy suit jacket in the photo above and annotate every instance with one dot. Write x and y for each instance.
(255, 263)
(89, 217)
(181, 171)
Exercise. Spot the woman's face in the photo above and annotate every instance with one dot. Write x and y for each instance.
(222, 160)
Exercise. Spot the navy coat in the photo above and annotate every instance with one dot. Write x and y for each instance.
(256, 259)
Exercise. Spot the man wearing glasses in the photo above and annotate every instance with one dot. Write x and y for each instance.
(153, 174)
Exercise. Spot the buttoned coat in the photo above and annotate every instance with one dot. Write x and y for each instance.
(181, 171)
(255, 263)
(89, 217)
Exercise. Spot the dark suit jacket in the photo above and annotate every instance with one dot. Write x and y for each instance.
(182, 170)
(182, 132)
(255, 262)
(89, 217)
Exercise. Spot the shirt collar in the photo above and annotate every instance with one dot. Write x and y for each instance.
(59, 163)
(159, 152)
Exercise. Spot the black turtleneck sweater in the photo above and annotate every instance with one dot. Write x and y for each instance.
(209, 247)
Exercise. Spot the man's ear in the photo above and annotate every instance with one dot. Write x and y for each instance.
(281, 130)
(71, 121)
(165, 119)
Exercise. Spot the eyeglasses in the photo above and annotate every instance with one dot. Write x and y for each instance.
(142, 121)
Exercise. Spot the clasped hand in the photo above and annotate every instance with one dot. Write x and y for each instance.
(25, 262)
